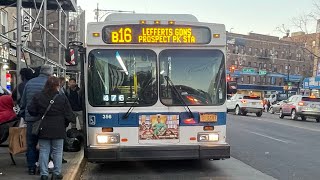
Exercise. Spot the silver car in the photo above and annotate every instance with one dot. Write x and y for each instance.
(301, 106)
(275, 108)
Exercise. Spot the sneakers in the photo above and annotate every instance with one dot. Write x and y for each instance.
(44, 177)
(56, 177)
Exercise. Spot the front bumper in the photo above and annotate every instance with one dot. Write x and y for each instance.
(140, 153)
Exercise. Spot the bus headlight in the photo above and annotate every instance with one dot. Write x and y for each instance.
(208, 137)
(108, 138)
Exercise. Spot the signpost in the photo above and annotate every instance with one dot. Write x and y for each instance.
(262, 72)
(248, 70)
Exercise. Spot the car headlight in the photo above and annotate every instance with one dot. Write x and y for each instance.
(208, 137)
(108, 138)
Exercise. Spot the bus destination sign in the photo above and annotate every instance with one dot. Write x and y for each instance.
(156, 34)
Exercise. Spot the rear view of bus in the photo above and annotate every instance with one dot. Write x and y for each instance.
(155, 88)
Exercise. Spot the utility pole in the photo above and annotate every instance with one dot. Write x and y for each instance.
(19, 43)
(97, 12)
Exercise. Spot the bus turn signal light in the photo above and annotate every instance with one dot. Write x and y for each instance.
(124, 140)
(107, 129)
(216, 35)
(193, 138)
(171, 22)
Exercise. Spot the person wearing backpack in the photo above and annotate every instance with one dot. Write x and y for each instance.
(52, 128)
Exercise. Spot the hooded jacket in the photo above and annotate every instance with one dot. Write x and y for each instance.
(6, 109)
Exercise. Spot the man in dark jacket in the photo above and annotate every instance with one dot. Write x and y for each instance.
(74, 96)
(33, 87)
(26, 74)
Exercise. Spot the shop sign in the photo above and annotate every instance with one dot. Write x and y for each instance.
(4, 54)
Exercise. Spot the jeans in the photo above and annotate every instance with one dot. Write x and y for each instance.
(55, 146)
(32, 152)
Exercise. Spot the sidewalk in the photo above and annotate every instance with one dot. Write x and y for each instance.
(70, 170)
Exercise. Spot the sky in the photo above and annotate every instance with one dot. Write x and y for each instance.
(239, 16)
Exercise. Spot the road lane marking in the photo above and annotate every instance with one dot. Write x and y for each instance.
(266, 136)
(291, 125)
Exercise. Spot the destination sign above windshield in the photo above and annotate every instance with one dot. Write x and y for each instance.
(156, 34)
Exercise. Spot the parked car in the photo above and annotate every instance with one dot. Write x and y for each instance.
(275, 108)
(243, 104)
(301, 106)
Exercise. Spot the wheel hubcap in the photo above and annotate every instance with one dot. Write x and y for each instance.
(293, 114)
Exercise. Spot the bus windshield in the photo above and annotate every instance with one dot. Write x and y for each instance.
(122, 77)
(198, 75)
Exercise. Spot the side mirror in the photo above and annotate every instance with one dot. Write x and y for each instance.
(72, 56)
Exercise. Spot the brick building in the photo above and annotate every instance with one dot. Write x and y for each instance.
(264, 63)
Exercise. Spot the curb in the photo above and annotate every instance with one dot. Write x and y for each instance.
(75, 172)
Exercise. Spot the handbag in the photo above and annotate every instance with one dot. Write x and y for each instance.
(37, 123)
(17, 140)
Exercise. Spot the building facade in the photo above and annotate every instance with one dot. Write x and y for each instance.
(265, 64)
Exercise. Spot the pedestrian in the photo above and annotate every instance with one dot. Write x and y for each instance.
(52, 129)
(26, 74)
(74, 96)
(33, 87)
(62, 85)
(268, 105)
(6, 109)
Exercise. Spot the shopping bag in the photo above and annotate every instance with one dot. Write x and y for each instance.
(17, 140)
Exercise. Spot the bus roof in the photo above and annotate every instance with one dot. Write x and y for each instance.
(118, 17)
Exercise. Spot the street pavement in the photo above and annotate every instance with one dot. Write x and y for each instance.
(282, 148)
(70, 170)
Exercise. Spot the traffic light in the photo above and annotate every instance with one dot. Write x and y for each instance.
(232, 69)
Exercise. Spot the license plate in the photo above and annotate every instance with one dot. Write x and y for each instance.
(207, 117)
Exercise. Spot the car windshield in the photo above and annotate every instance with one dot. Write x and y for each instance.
(198, 75)
(122, 77)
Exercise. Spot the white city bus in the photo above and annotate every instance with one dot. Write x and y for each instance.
(154, 88)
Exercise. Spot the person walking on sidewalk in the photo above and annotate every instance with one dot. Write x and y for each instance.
(52, 129)
(74, 96)
(33, 87)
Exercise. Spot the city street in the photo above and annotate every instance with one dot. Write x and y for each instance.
(281, 148)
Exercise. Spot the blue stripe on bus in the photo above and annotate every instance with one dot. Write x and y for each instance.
(117, 120)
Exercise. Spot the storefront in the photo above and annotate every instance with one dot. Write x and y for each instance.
(311, 86)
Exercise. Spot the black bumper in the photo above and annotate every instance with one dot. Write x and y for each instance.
(139, 153)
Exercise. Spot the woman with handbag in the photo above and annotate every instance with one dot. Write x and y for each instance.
(54, 111)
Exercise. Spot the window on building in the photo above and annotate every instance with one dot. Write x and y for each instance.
(313, 43)
(250, 51)
(270, 66)
(242, 79)
(242, 51)
(254, 64)
(264, 65)
(4, 22)
(50, 44)
(282, 54)
(38, 43)
(236, 62)
(256, 51)
(248, 79)
(237, 49)
(261, 52)
(274, 68)
(273, 80)
(281, 69)
(276, 54)
(249, 64)
(297, 69)
(14, 33)
(253, 79)
(260, 65)
(266, 53)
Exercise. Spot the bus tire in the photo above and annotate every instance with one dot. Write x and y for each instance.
(259, 114)
(281, 116)
(318, 120)
(237, 110)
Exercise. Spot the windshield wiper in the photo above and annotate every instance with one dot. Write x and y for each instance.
(179, 95)
(126, 115)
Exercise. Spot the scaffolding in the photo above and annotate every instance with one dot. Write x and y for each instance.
(41, 7)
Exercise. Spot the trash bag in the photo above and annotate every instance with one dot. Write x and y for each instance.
(74, 133)
(71, 145)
